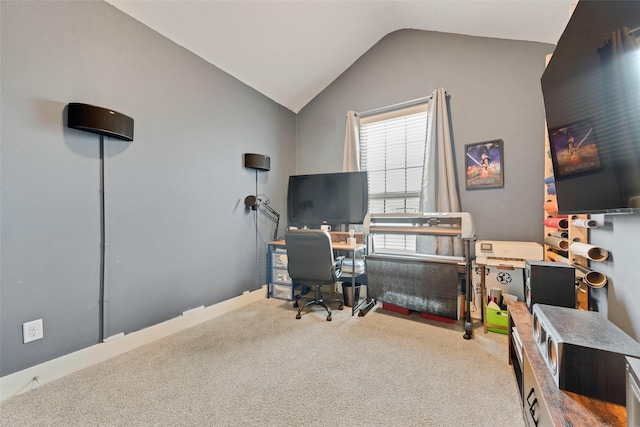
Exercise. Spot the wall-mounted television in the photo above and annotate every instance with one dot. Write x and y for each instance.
(591, 90)
(334, 198)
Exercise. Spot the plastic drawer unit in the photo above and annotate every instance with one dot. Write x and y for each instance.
(279, 259)
(282, 286)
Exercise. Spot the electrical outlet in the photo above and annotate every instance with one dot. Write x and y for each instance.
(32, 331)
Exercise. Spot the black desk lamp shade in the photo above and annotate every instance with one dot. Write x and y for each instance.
(257, 161)
(100, 120)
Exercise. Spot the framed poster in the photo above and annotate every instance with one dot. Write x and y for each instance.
(574, 149)
(484, 164)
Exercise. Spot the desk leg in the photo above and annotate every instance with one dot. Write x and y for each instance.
(354, 303)
(360, 307)
(483, 295)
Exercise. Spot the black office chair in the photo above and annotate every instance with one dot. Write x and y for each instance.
(311, 262)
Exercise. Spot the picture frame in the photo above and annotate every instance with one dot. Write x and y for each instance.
(574, 149)
(484, 163)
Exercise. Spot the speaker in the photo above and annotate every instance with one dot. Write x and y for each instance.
(584, 352)
(99, 120)
(550, 283)
(257, 161)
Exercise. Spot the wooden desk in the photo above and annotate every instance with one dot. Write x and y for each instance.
(339, 243)
(337, 246)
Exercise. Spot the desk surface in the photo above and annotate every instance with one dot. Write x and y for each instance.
(338, 246)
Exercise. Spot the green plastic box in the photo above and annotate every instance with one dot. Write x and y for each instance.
(497, 317)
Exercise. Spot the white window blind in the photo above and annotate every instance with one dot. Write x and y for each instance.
(392, 148)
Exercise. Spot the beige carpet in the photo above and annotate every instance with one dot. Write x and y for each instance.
(260, 366)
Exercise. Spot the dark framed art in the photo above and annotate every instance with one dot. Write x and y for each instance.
(574, 149)
(484, 164)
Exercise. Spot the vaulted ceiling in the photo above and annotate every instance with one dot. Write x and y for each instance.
(291, 50)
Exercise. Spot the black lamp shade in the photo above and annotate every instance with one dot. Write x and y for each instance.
(99, 120)
(257, 161)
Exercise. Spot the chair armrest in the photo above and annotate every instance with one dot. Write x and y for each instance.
(337, 266)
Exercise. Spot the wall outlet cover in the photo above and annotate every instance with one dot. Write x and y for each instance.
(32, 331)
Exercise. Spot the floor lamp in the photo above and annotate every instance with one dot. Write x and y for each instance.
(104, 122)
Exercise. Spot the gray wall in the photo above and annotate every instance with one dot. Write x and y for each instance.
(618, 300)
(178, 233)
(494, 88)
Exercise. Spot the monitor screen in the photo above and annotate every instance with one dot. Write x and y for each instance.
(591, 90)
(334, 198)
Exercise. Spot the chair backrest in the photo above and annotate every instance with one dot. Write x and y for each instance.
(310, 256)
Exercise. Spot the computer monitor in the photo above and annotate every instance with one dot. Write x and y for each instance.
(332, 198)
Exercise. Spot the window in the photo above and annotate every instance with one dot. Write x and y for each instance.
(392, 147)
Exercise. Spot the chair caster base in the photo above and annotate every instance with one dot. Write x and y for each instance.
(298, 316)
(329, 318)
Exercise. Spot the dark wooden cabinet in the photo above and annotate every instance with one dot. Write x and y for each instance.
(543, 403)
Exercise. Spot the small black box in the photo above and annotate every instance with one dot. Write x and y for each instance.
(550, 283)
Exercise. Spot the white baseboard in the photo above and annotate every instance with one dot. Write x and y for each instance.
(27, 379)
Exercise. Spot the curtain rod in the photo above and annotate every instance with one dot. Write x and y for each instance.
(393, 107)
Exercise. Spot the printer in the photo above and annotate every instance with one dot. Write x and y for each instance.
(504, 253)
(504, 263)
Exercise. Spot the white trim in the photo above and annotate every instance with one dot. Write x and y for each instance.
(30, 378)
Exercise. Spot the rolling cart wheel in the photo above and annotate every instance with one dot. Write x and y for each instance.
(295, 304)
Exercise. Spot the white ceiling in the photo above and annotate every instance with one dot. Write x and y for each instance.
(291, 50)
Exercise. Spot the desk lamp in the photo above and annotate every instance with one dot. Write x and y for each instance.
(254, 202)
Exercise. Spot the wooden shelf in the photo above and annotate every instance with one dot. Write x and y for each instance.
(574, 233)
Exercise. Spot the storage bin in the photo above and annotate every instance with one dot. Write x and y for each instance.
(287, 292)
(279, 259)
(498, 318)
(348, 266)
(280, 276)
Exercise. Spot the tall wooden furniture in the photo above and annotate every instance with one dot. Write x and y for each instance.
(562, 232)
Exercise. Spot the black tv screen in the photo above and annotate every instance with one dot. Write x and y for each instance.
(591, 90)
(334, 198)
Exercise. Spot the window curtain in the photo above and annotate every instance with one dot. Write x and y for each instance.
(351, 158)
(439, 192)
